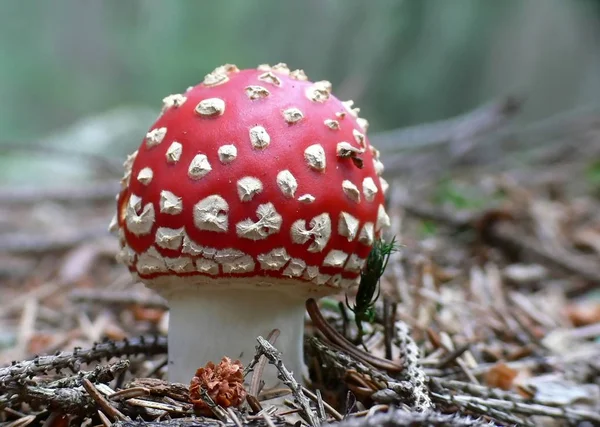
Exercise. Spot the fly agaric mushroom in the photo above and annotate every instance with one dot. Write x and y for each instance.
(253, 191)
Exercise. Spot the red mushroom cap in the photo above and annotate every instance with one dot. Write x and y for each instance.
(257, 173)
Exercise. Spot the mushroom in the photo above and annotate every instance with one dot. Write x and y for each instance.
(243, 200)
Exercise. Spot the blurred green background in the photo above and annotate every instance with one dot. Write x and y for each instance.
(89, 75)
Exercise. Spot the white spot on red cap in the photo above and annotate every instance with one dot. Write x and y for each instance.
(141, 224)
(369, 188)
(219, 75)
(287, 183)
(298, 75)
(191, 247)
(121, 235)
(354, 264)
(214, 79)
(319, 230)
(269, 222)
(321, 279)
(126, 256)
(348, 106)
(359, 137)
(335, 258)
(306, 198)
(180, 264)
(348, 226)
(155, 137)
(248, 187)
(128, 163)
(256, 92)
(349, 283)
(345, 149)
(332, 124)
(209, 253)
(135, 202)
(384, 185)
(363, 123)
(383, 220)
(379, 167)
(227, 153)
(176, 100)
(292, 115)
(207, 266)
(367, 234)
(145, 176)
(335, 280)
(269, 77)
(273, 260)
(211, 214)
(295, 268)
(351, 190)
(210, 107)
(113, 226)
(199, 167)
(169, 238)
(319, 91)
(170, 203)
(315, 157)
(311, 272)
(151, 262)
(375, 152)
(281, 68)
(259, 138)
(173, 153)
(234, 261)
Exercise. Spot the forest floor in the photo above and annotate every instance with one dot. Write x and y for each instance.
(491, 306)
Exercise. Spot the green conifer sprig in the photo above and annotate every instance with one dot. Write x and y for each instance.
(368, 289)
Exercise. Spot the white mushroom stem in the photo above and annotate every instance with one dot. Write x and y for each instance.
(205, 325)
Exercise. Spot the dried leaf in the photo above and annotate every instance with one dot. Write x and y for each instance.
(501, 376)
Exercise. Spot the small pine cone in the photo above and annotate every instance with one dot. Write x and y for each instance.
(224, 384)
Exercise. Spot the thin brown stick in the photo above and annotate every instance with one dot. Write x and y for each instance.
(468, 126)
(452, 356)
(113, 413)
(334, 336)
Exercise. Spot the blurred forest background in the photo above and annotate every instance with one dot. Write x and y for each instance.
(487, 114)
(88, 76)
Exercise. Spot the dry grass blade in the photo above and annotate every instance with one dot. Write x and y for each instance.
(254, 388)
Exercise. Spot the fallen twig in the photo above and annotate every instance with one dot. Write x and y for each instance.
(482, 120)
(518, 407)
(19, 371)
(102, 296)
(400, 418)
(36, 243)
(254, 388)
(265, 348)
(108, 409)
(86, 193)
